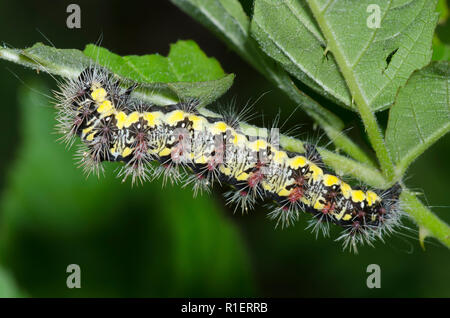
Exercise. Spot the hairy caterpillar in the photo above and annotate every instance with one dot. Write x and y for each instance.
(113, 126)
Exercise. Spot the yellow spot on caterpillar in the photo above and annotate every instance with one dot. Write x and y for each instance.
(347, 217)
(371, 197)
(86, 130)
(164, 152)
(330, 180)
(298, 161)
(121, 117)
(220, 126)
(98, 94)
(90, 137)
(316, 172)
(258, 145)
(197, 122)
(358, 196)
(105, 108)
(346, 190)
(242, 176)
(239, 139)
(339, 216)
(151, 118)
(305, 201)
(225, 170)
(267, 186)
(279, 157)
(174, 117)
(131, 119)
(318, 205)
(284, 193)
(126, 152)
(200, 159)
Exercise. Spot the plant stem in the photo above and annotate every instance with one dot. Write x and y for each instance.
(367, 115)
(425, 218)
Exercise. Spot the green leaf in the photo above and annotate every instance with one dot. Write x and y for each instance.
(287, 32)
(62, 62)
(187, 73)
(375, 62)
(227, 19)
(376, 53)
(163, 80)
(420, 115)
(186, 62)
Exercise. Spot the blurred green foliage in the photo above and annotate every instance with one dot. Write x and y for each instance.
(151, 242)
(8, 285)
(143, 241)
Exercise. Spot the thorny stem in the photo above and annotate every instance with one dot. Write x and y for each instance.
(424, 217)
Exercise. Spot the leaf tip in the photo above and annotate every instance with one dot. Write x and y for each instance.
(423, 234)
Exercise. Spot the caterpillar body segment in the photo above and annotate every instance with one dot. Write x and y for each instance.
(115, 127)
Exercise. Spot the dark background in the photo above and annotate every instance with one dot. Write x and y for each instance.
(153, 242)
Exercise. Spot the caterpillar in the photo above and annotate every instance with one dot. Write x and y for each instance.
(114, 126)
